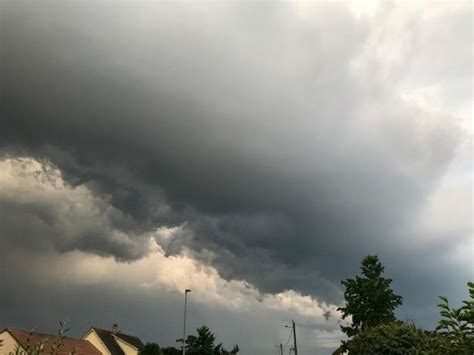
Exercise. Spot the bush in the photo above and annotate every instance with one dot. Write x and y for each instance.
(151, 349)
(392, 338)
(454, 334)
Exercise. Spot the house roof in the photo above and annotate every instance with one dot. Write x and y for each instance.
(130, 339)
(108, 338)
(109, 341)
(68, 345)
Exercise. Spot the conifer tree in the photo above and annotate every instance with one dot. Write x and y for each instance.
(370, 301)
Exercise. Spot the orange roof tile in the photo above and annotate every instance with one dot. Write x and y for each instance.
(68, 345)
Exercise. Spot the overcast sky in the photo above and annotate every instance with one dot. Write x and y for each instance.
(252, 152)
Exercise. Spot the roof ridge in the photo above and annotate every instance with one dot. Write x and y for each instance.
(39, 333)
(115, 333)
(105, 330)
(25, 338)
(128, 335)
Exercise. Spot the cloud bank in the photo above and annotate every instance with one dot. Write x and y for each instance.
(266, 147)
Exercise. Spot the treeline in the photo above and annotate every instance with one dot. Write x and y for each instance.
(201, 344)
(370, 304)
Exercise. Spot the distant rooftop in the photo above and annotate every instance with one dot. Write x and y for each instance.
(68, 345)
(108, 338)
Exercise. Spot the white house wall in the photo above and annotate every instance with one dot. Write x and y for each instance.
(127, 349)
(8, 343)
(95, 340)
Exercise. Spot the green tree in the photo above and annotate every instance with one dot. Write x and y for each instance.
(151, 349)
(235, 349)
(172, 351)
(203, 344)
(370, 301)
(457, 325)
(395, 338)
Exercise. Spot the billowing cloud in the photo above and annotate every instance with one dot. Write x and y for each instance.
(39, 211)
(45, 221)
(273, 145)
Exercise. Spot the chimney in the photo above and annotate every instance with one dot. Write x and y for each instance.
(115, 328)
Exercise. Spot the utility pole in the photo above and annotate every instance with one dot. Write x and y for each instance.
(280, 347)
(184, 325)
(293, 326)
(294, 338)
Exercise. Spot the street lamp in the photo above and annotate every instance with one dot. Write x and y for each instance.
(184, 325)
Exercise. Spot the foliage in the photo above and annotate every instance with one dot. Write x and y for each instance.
(454, 334)
(219, 350)
(151, 349)
(203, 344)
(392, 338)
(369, 299)
(457, 325)
(171, 351)
(235, 349)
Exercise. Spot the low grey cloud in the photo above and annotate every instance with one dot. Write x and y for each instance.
(286, 141)
(53, 259)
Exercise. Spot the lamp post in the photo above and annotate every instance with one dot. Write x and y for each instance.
(184, 325)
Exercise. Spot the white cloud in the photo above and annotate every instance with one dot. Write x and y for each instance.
(30, 182)
(175, 273)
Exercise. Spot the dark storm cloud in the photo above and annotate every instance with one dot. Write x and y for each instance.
(153, 314)
(247, 122)
(38, 212)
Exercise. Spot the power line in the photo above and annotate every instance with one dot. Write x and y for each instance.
(289, 337)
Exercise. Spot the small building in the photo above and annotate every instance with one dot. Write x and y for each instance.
(113, 342)
(25, 341)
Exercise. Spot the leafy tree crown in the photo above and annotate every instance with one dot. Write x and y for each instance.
(370, 301)
(203, 344)
(151, 349)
